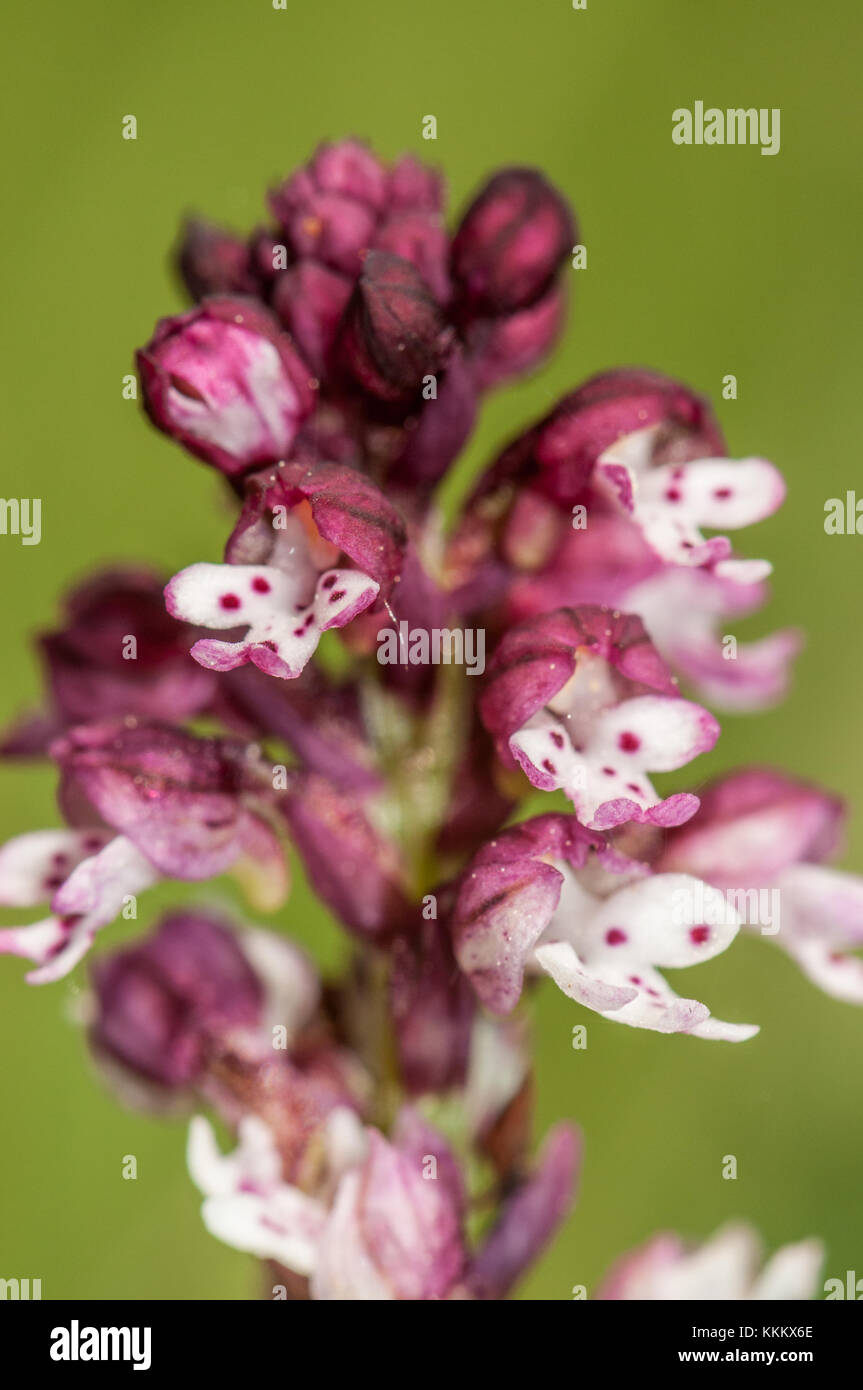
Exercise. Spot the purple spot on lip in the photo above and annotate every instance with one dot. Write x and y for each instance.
(229, 601)
(699, 935)
(328, 582)
(609, 771)
(337, 596)
(615, 936)
(629, 742)
(556, 738)
(550, 767)
(261, 585)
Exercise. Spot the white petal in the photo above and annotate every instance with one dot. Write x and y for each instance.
(286, 1226)
(792, 1273)
(559, 960)
(33, 866)
(290, 980)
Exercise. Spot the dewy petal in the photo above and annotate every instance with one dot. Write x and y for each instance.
(669, 920)
(603, 954)
(590, 655)
(507, 896)
(353, 514)
(559, 960)
(672, 502)
(605, 776)
(182, 800)
(279, 582)
(501, 912)
(283, 633)
(33, 866)
(652, 1005)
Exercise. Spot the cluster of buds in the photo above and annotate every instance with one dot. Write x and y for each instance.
(331, 369)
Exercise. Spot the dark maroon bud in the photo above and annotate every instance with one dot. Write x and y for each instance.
(432, 1011)
(214, 261)
(159, 1003)
(441, 429)
(395, 334)
(310, 300)
(511, 243)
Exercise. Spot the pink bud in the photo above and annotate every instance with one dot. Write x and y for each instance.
(516, 343)
(511, 243)
(227, 384)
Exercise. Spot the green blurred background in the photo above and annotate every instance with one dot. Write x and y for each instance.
(701, 262)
